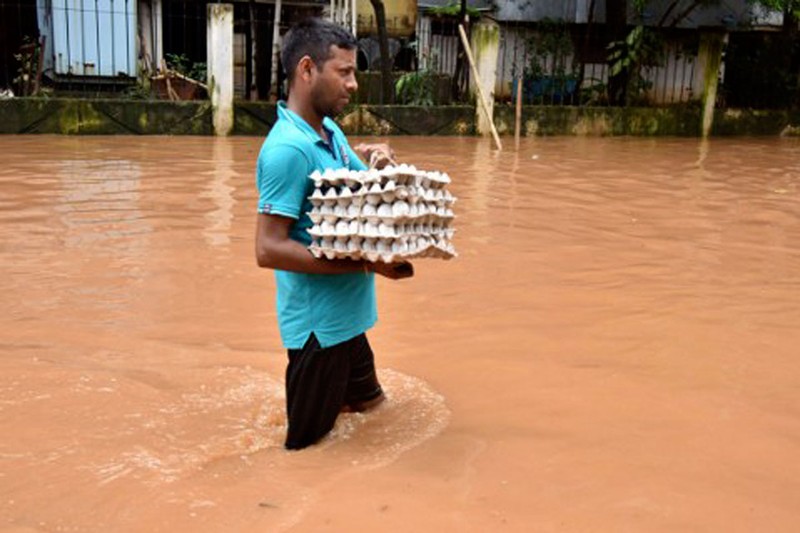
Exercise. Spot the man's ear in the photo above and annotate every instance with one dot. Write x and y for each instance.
(304, 67)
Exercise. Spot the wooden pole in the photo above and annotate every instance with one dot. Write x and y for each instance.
(518, 121)
(482, 98)
(252, 53)
(276, 51)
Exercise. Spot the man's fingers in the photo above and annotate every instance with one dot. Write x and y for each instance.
(399, 270)
(378, 154)
(379, 160)
(404, 270)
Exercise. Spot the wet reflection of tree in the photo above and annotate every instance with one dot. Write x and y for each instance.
(219, 190)
(482, 173)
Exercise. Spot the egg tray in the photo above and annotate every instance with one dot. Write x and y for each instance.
(395, 213)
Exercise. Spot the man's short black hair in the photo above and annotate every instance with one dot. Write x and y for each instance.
(313, 37)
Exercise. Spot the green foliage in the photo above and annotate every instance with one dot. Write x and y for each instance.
(641, 48)
(416, 88)
(137, 92)
(549, 74)
(453, 9)
(639, 5)
(783, 6)
(593, 92)
(28, 58)
(552, 43)
(181, 64)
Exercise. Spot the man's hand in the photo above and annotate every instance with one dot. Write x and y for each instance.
(399, 270)
(377, 155)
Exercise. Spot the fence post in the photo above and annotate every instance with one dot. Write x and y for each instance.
(220, 65)
(709, 58)
(485, 43)
(157, 12)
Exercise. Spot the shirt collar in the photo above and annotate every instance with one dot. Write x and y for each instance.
(300, 123)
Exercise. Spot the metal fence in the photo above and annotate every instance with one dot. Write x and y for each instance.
(561, 65)
(102, 47)
(437, 44)
(125, 47)
(564, 65)
(18, 31)
(91, 40)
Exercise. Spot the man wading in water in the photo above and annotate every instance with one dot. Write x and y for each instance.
(324, 307)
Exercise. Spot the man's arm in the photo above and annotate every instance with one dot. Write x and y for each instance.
(276, 250)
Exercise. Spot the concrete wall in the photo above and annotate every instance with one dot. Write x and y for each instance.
(152, 117)
(82, 116)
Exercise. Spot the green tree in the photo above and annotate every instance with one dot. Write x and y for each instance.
(631, 50)
(617, 21)
(387, 90)
(791, 35)
(784, 6)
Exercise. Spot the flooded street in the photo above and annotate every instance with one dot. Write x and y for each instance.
(615, 349)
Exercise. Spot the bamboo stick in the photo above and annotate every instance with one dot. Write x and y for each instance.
(482, 98)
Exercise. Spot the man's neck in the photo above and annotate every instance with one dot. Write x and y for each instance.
(307, 113)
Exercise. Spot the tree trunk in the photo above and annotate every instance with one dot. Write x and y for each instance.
(275, 54)
(387, 87)
(617, 20)
(458, 82)
(790, 29)
(251, 88)
(668, 12)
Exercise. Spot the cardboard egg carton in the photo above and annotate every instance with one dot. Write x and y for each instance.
(388, 215)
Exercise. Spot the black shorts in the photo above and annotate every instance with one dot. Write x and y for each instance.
(321, 381)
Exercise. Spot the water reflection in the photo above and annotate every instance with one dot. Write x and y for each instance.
(99, 205)
(219, 190)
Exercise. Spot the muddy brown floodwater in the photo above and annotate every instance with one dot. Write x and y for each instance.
(617, 347)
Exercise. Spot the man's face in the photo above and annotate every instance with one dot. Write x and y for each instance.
(332, 85)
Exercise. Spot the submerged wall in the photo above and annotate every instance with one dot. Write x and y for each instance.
(150, 117)
(82, 116)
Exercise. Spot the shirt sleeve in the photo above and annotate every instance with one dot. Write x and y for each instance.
(281, 176)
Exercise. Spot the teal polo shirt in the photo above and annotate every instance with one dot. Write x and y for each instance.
(334, 307)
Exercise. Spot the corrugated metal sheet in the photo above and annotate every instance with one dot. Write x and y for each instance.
(534, 10)
(93, 37)
(727, 13)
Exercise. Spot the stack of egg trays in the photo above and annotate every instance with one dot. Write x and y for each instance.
(388, 215)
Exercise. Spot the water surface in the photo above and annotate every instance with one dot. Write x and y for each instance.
(614, 349)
